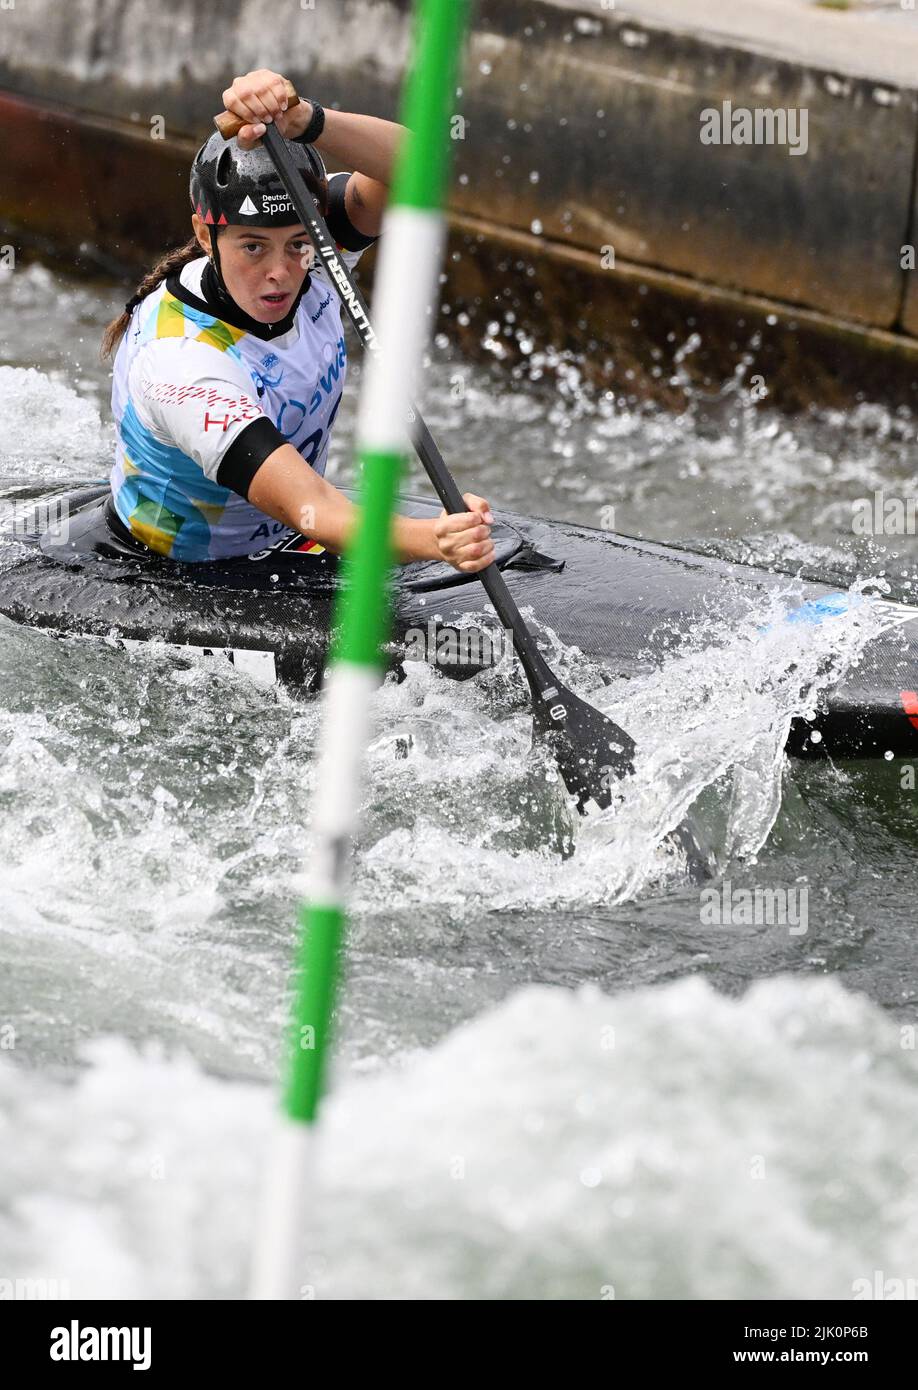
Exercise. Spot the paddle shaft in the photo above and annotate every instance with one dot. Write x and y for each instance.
(588, 747)
(542, 683)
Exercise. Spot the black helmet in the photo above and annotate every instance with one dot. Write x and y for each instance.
(241, 187)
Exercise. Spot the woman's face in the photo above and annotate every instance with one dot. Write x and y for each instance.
(263, 267)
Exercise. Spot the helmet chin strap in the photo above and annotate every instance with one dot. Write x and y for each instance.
(215, 261)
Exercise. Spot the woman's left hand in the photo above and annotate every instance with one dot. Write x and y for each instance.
(259, 97)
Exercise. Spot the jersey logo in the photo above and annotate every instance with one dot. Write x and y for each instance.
(262, 379)
(326, 384)
(321, 309)
(267, 529)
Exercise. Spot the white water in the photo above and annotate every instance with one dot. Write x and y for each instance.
(483, 1138)
(668, 1143)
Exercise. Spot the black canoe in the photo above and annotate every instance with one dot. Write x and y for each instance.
(627, 603)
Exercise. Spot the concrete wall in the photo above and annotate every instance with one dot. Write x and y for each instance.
(627, 167)
(582, 129)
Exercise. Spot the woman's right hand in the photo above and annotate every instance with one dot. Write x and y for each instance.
(261, 96)
(464, 538)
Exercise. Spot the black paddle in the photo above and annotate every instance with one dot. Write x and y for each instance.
(591, 751)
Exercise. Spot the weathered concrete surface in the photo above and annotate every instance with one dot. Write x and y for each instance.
(583, 132)
(649, 333)
(821, 230)
(878, 40)
(94, 192)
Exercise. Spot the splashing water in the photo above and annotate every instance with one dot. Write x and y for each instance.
(666, 1143)
(717, 715)
(486, 1137)
(726, 708)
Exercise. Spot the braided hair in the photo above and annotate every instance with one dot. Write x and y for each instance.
(169, 264)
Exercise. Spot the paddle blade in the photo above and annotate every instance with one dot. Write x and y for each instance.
(591, 751)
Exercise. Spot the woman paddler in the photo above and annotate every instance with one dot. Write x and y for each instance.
(231, 360)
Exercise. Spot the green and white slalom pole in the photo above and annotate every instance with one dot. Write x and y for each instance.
(406, 282)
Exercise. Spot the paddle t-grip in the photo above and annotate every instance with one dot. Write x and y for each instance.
(230, 125)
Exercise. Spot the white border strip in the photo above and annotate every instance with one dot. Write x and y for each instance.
(404, 302)
(347, 705)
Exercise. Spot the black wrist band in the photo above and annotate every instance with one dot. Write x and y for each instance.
(314, 130)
